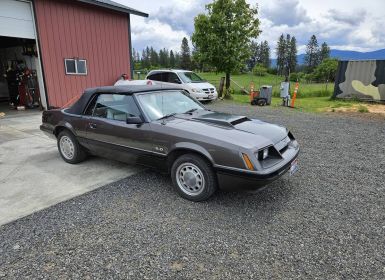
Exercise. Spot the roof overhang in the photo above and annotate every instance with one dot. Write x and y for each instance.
(114, 6)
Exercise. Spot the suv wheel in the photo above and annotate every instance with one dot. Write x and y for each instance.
(69, 148)
(193, 177)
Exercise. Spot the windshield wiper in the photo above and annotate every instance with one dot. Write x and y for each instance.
(190, 111)
(166, 116)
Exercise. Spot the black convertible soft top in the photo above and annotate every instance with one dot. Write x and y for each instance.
(78, 107)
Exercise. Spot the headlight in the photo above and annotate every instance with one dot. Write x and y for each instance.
(196, 90)
(263, 154)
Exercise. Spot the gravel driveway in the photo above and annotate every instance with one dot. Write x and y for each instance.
(326, 222)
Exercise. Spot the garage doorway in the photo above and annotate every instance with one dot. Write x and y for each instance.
(21, 79)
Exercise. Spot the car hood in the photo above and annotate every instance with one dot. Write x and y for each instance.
(233, 129)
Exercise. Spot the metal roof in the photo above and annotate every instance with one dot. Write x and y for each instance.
(108, 4)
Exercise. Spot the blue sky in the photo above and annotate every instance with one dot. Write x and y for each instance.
(343, 24)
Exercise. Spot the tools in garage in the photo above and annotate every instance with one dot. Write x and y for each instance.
(22, 85)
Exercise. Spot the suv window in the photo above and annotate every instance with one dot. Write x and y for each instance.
(155, 77)
(172, 78)
(115, 107)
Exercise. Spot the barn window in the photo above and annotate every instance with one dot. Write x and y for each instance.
(75, 66)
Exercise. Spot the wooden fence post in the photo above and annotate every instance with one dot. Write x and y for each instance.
(221, 85)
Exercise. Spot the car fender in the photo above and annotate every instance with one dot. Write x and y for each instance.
(66, 125)
(192, 147)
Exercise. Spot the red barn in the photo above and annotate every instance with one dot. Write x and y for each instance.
(68, 45)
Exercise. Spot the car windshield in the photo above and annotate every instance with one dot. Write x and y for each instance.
(157, 105)
(190, 77)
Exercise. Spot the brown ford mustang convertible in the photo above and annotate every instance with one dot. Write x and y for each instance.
(166, 129)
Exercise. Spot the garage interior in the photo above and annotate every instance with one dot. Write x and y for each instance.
(18, 69)
(21, 85)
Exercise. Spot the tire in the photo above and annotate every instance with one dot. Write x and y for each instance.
(193, 177)
(69, 148)
(261, 102)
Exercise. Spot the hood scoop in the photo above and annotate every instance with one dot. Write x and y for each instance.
(222, 119)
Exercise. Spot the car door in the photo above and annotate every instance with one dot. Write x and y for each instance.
(108, 133)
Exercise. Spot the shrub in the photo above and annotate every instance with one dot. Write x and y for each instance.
(259, 70)
(272, 71)
(363, 109)
(296, 77)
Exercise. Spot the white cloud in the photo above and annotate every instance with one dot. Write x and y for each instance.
(343, 24)
(180, 14)
(152, 32)
(352, 18)
(285, 12)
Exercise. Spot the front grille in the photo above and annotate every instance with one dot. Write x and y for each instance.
(282, 145)
(209, 90)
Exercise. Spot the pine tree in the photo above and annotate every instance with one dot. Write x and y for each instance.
(172, 59)
(254, 50)
(292, 57)
(287, 69)
(264, 55)
(177, 60)
(185, 55)
(280, 51)
(312, 54)
(324, 52)
(154, 57)
(145, 59)
(163, 58)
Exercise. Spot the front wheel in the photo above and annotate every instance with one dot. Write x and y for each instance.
(69, 148)
(193, 177)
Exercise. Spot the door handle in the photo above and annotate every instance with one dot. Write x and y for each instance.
(92, 125)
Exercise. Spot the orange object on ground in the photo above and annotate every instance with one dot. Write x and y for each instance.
(294, 94)
(253, 95)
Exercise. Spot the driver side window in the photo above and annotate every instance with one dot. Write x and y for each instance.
(115, 107)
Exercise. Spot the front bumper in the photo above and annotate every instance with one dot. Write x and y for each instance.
(244, 180)
(206, 98)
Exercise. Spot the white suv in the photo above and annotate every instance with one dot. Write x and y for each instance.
(187, 80)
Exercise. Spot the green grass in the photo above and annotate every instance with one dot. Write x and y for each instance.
(312, 97)
(310, 104)
(363, 109)
(244, 80)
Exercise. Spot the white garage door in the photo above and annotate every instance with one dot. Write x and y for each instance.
(16, 19)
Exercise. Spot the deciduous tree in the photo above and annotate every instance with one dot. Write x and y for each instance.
(224, 34)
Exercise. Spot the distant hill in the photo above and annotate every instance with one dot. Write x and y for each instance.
(345, 55)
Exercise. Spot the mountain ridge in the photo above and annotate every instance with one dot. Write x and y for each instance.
(344, 55)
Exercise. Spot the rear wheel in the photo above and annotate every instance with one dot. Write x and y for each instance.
(69, 148)
(262, 102)
(193, 177)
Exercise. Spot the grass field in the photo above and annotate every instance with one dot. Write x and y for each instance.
(312, 97)
(244, 80)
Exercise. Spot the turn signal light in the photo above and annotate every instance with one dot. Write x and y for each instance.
(247, 161)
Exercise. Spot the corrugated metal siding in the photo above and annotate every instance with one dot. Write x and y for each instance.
(69, 29)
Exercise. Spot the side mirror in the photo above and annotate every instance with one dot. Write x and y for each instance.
(134, 120)
(177, 81)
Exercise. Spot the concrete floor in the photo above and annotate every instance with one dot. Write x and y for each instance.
(32, 174)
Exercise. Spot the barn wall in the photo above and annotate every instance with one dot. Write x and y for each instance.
(69, 29)
(363, 80)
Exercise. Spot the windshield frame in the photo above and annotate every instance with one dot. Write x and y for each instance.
(187, 80)
(144, 112)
